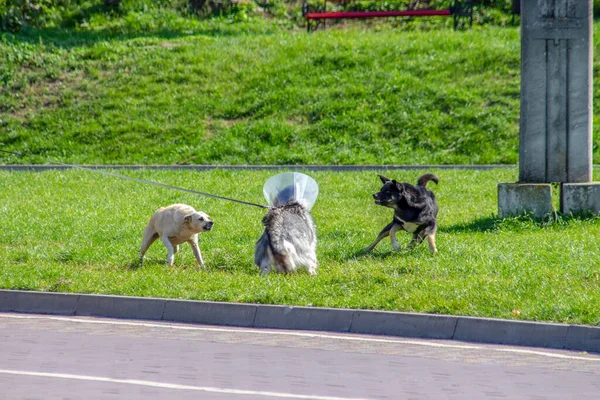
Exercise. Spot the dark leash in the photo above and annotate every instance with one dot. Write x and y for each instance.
(214, 196)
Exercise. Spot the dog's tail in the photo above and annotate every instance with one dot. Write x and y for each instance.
(426, 178)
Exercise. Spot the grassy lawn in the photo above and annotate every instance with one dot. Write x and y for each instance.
(156, 87)
(74, 231)
(213, 92)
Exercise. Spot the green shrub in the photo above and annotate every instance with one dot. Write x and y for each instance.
(207, 8)
(16, 14)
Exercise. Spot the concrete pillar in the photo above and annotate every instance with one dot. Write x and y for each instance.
(556, 91)
(556, 102)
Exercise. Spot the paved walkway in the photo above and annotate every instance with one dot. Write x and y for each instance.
(51, 357)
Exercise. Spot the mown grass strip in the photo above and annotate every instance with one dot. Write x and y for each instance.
(75, 231)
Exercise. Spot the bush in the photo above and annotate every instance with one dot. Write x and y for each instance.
(16, 14)
(206, 8)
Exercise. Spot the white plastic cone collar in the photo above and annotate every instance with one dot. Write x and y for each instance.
(287, 186)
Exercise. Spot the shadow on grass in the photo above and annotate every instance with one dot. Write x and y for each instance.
(161, 23)
(135, 264)
(485, 224)
(376, 255)
(520, 223)
(68, 38)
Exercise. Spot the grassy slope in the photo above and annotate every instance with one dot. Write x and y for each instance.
(225, 93)
(80, 232)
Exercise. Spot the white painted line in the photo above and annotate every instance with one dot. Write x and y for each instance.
(348, 337)
(175, 386)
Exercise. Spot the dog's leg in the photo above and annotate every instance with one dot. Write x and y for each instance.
(284, 263)
(265, 267)
(170, 250)
(196, 249)
(150, 235)
(385, 232)
(418, 237)
(431, 230)
(175, 249)
(311, 265)
(429, 233)
(431, 241)
(395, 228)
(267, 262)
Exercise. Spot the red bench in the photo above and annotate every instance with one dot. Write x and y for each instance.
(461, 10)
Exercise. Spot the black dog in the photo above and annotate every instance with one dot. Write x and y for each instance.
(415, 211)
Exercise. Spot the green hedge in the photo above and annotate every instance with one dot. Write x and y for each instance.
(15, 15)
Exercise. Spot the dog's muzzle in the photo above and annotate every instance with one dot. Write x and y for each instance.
(208, 226)
(376, 198)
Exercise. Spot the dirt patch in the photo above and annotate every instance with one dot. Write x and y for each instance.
(46, 94)
(213, 125)
(169, 45)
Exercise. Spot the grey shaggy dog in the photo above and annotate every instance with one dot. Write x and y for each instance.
(289, 240)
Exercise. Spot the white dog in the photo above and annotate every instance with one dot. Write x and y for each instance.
(174, 225)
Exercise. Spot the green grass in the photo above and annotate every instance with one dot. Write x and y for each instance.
(152, 86)
(75, 231)
(226, 92)
(217, 92)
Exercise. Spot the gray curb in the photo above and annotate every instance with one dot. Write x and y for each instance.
(339, 168)
(425, 326)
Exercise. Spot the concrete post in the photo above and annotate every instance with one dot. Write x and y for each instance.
(556, 103)
(523, 198)
(556, 91)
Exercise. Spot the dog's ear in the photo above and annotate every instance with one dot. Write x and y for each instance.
(399, 186)
(383, 179)
(187, 219)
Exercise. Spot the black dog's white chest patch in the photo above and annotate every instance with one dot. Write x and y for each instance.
(407, 226)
